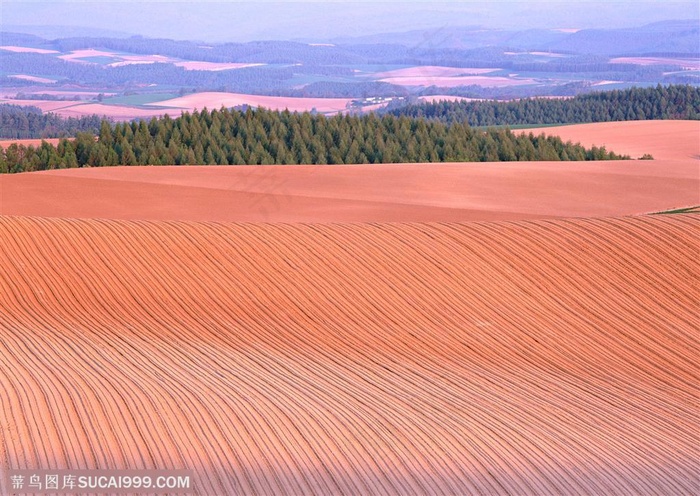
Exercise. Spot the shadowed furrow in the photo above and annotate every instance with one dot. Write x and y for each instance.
(548, 357)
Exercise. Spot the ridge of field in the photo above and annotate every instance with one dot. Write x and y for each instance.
(367, 193)
(674, 140)
(215, 100)
(548, 357)
(67, 109)
(188, 103)
(382, 193)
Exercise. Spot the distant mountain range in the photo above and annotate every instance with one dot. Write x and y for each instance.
(673, 36)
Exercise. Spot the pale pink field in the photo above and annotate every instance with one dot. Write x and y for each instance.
(118, 112)
(665, 140)
(175, 106)
(28, 142)
(76, 55)
(605, 82)
(130, 62)
(547, 54)
(215, 100)
(33, 78)
(69, 93)
(541, 54)
(44, 105)
(451, 82)
(144, 58)
(82, 109)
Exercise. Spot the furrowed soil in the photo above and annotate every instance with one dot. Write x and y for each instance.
(532, 357)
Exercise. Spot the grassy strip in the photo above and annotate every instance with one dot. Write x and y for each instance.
(684, 210)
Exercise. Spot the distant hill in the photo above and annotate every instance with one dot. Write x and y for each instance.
(670, 37)
(673, 36)
(460, 38)
(524, 62)
(56, 31)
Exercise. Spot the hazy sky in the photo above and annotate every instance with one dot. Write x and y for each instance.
(216, 21)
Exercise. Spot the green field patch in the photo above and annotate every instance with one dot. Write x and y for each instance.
(686, 210)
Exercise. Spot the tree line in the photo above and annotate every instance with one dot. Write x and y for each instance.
(230, 137)
(659, 102)
(17, 122)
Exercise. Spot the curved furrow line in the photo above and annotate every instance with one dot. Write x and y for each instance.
(609, 318)
(647, 320)
(383, 358)
(93, 370)
(88, 362)
(46, 390)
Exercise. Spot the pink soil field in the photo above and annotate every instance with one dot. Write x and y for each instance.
(384, 193)
(45, 105)
(531, 357)
(28, 142)
(69, 108)
(33, 78)
(76, 55)
(61, 92)
(675, 140)
(214, 100)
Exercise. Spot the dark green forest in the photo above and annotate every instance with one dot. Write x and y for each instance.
(659, 102)
(18, 122)
(228, 137)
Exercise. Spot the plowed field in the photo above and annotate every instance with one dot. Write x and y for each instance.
(385, 193)
(549, 357)
(548, 348)
(370, 193)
